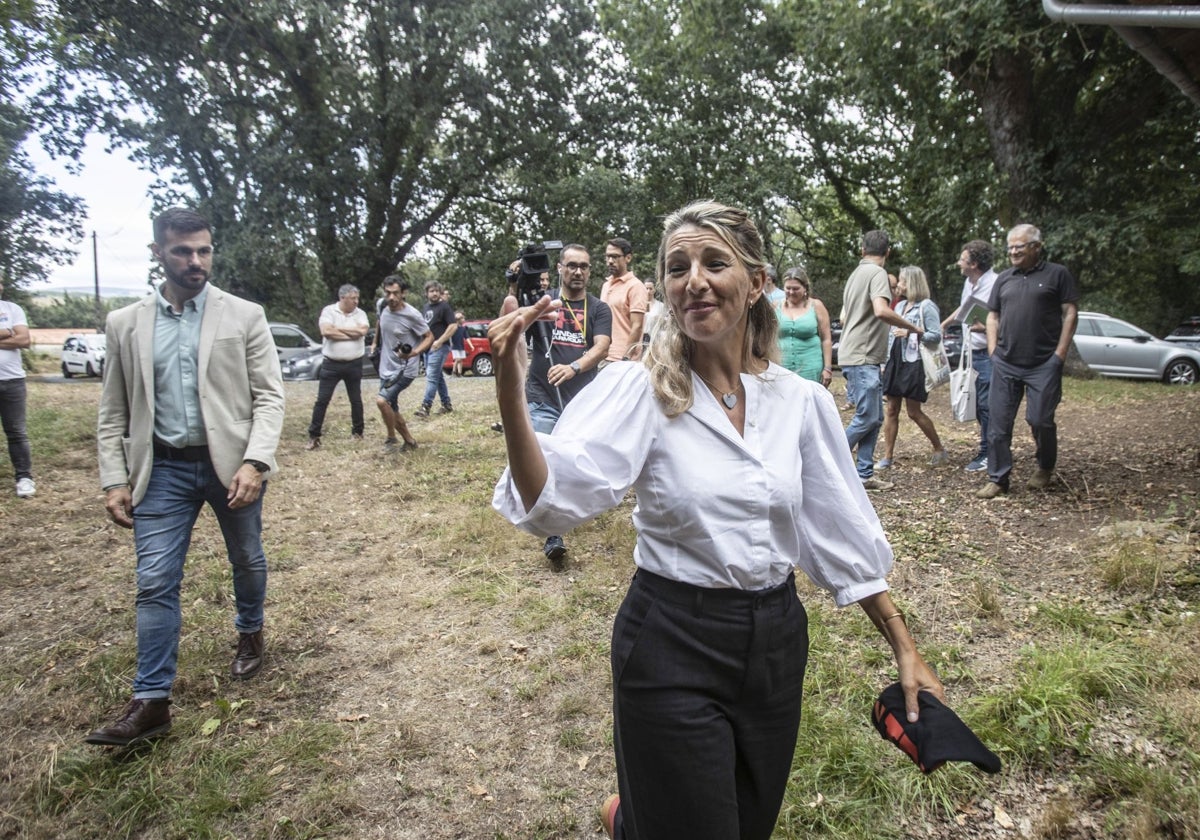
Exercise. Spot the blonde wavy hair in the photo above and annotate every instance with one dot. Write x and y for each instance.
(669, 355)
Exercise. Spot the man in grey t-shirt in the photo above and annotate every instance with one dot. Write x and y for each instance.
(866, 313)
(402, 336)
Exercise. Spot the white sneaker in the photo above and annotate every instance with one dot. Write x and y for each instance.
(25, 488)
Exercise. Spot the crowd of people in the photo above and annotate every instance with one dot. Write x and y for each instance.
(742, 470)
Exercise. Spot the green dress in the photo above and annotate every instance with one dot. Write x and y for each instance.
(800, 344)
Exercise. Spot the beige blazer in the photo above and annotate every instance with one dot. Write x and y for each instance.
(241, 390)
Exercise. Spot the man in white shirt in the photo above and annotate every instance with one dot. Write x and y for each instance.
(343, 327)
(975, 263)
(14, 337)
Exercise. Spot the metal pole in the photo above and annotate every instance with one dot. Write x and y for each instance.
(96, 278)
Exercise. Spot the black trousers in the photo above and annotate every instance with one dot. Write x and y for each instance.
(333, 372)
(706, 707)
(1041, 387)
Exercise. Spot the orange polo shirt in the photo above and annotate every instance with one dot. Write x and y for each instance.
(625, 296)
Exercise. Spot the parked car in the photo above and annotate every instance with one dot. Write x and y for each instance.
(952, 343)
(83, 354)
(1113, 347)
(307, 364)
(1186, 333)
(479, 350)
(835, 333)
(290, 341)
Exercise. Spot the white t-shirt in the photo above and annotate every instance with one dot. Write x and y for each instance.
(715, 509)
(979, 294)
(11, 316)
(342, 350)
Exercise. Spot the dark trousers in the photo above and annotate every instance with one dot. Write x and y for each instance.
(333, 372)
(12, 415)
(1041, 387)
(982, 364)
(706, 707)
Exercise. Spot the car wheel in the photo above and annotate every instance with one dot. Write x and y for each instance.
(482, 366)
(66, 371)
(1180, 372)
(91, 371)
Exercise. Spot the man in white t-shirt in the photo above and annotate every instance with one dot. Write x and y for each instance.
(343, 327)
(975, 263)
(14, 337)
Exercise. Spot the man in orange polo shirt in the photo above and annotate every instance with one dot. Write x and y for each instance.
(625, 295)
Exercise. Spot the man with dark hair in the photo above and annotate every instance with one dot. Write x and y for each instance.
(866, 314)
(14, 339)
(626, 298)
(565, 355)
(401, 337)
(1031, 321)
(975, 263)
(190, 414)
(343, 329)
(439, 316)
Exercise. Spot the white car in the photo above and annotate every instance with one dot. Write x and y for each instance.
(83, 354)
(1112, 347)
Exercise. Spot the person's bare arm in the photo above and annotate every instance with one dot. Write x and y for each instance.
(17, 339)
(993, 331)
(1070, 313)
(889, 316)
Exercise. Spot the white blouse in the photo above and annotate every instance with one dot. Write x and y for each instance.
(714, 509)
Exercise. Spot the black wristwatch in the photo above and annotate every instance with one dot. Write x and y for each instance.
(575, 366)
(258, 465)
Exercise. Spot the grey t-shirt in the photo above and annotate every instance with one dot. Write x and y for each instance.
(864, 336)
(406, 326)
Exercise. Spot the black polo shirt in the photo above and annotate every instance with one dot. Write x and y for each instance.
(1030, 308)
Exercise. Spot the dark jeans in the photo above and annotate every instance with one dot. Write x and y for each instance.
(1042, 388)
(12, 413)
(333, 372)
(982, 363)
(706, 707)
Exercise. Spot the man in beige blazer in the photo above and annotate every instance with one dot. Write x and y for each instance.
(191, 412)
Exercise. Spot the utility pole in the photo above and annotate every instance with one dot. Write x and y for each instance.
(96, 277)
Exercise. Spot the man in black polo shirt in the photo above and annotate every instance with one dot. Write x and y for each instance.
(1030, 324)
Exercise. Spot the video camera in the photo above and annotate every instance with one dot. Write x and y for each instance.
(535, 261)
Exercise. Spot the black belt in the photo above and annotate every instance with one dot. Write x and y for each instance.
(191, 454)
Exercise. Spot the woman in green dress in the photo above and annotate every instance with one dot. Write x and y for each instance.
(805, 341)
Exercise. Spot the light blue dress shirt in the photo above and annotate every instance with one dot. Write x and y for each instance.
(177, 418)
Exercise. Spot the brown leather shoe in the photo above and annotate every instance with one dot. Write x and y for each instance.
(140, 721)
(1040, 479)
(249, 657)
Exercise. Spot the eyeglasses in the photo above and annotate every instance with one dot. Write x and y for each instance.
(573, 266)
(1016, 249)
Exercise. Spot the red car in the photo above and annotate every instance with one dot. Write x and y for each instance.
(479, 350)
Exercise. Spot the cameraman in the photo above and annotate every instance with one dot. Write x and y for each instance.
(564, 354)
(402, 336)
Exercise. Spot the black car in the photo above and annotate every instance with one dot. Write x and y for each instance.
(952, 343)
(1186, 333)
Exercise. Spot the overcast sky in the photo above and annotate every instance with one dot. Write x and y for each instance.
(118, 210)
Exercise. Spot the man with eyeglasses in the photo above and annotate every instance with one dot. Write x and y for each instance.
(1030, 324)
(190, 414)
(565, 354)
(626, 297)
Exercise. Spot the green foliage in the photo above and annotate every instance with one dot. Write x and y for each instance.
(72, 311)
(326, 140)
(35, 218)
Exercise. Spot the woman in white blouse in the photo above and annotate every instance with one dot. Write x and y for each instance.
(742, 472)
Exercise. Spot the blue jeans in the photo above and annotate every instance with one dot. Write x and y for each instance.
(162, 532)
(982, 363)
(866, 391)
(435, 381)
(12, 414)
(544, 417)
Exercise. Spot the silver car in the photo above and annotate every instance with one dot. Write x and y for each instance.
(1113, 347)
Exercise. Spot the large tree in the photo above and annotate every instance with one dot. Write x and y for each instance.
(37, 221)
(327, 139)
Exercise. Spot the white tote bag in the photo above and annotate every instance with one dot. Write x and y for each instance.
(962, 384)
